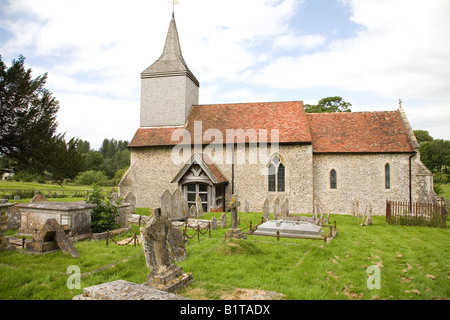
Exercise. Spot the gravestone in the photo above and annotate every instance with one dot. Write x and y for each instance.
(52, 236)
(38, 197)
(177, 205)
(223, 220)
(125, 290)
(198, 204)
(246, 206)
(165, 275)
(166, 204)
(266, 210)
(130, 198)
(277, 209)
(176, 244)
(193, 212)
(234, 232)
(214, 223)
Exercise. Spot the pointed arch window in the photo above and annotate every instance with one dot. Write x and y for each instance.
(333, 179)
(277, 175)
(387, 176)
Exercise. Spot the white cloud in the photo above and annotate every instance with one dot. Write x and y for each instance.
(94, 52)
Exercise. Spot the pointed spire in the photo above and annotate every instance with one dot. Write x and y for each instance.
(171, 61)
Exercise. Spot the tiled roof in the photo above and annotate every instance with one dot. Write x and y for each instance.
(359, 132)
(289, 118)
(382, 131)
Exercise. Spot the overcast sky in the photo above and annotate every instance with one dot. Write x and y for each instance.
(371, 53)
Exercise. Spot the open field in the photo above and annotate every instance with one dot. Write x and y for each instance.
(66, 192)
(413, 264)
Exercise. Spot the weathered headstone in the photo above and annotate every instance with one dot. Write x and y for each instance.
(284, 209)
(130, 198)
(176, 244)
(38, 197)
(198, 203)
(193, 211)
(369, 221)
(246, 206)
(223, 220)
(214, 223)
(177, 204)
(266, 210)
(166, 204)
(277, 209)
(51, 237)
(165, 275)
(234, 232)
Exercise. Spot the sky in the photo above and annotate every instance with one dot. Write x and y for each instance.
(371, 53)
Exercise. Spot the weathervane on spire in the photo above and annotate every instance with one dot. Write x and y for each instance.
(173, 6)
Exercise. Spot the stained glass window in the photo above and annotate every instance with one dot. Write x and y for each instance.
(276, 176)
(333, 179)
(387, 176)
(280, 178)
(272, 178)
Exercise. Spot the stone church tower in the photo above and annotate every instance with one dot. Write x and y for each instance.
(168, 87)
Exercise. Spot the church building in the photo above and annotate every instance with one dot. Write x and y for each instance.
(266, 150)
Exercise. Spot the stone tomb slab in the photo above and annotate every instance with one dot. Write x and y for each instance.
(77, 215)
(290, 229)
(124, 290)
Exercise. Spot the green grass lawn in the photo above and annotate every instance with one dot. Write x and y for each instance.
(413, 264)
(66, 192)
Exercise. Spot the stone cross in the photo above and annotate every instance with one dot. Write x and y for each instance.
(234, 205)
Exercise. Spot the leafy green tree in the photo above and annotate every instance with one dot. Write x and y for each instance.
(27, 118)
(422, 136)
(103, 217)
(436, 155)
(330, 104)
(67, 162)
(90, 177)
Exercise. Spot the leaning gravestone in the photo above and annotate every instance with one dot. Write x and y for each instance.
(165, 275)
(266, 210)
(52, 236)
(38, 197)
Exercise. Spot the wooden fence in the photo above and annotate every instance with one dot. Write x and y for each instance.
(415, 213)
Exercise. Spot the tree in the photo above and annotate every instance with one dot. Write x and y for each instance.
(435, 155)
(67, 161)
(330, 104)
(27, 118)
(422, 136)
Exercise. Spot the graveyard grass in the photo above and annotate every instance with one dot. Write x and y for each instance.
(413, 264)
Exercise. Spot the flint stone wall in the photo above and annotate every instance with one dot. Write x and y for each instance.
(362, 177)
(152, 170)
